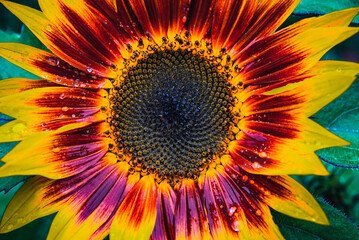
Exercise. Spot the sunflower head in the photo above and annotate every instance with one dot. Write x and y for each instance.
(169, 119)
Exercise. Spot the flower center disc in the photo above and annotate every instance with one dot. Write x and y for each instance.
(171, 113)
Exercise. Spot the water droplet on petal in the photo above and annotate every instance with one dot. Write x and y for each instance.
(19, 128)
(235, 225)
(56, 150)
(184, 19)
(62, 96)
(58, 80)
(89, 70)
(256, 165)
(232, 210)
(244, 178)
(48, 27)
(262, 154)
(258, 212)
(65, 109)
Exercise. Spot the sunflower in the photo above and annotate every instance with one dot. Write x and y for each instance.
(169, 119)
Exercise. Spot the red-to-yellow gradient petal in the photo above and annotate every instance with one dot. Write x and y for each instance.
(56, 41)
(166, 201)
(136, 217)
(92, 217)
(190, 218)
(281, 193)
(268, 16)
(230, 20)
(59, 154)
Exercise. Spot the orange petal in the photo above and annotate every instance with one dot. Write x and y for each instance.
(274, 158)
(274, 12)
(136, 217)
(154, 16)
(199, 19)
(288, 53)
(250, 217)
(80, 23)
(47, 108)
(230, 20)
(190, 218)
(16, 85)
(178, 16)
(127, 19)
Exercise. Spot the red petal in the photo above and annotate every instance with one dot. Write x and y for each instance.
(190, 218)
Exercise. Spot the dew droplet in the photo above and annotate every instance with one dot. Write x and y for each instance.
(232, 210)
(58, 80)
(89, 69)
(56, 149)
(258, 212)
(62, 96)
(48, 27)
(262, 154)
(244, 178)
(19, 128)
(235, 225)
(256, 165)
(65, 109)
(184, 19)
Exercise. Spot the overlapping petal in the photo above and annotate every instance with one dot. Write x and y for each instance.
(40, 196)
(136, 217)
(57, 154)
(90, 215)
(190, 218)
(48, 66)
(57, 42)
(166, 202)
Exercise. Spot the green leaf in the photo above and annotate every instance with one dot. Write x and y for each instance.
(319, 7)
(340, 226)
(342, 118)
